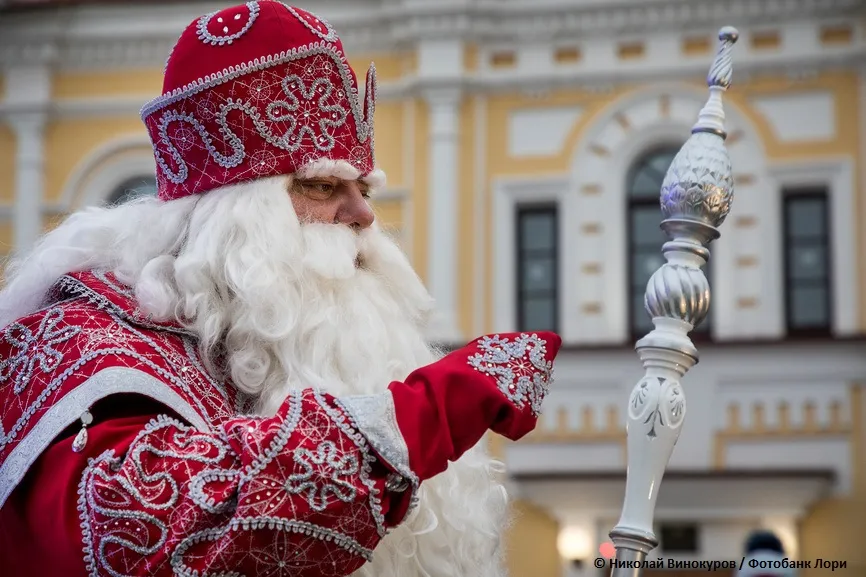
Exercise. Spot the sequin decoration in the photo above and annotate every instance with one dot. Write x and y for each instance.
(303, 114)
(89, 341)
(234, 89)
(324, 473)
(226, 26)
(278, 496)
(318, 26)
(35, 348)
(519, 367)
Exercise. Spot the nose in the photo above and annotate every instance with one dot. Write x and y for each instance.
(355, 211)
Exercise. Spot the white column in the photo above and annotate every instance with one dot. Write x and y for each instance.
(29, 130)
(442, 205)
(28, 94)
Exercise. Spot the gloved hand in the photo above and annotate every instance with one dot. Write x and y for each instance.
(496, 382)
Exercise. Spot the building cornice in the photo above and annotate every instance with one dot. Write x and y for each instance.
(142, 35)
(600, 80)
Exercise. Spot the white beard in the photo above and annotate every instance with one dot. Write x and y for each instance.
(292, 311)
(306, 316)
(360, 338)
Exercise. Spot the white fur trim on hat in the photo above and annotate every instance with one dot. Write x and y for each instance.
(343, 169)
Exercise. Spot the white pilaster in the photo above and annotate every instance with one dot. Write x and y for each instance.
(443, 105)
(440, 68)
(29, 168)
(28, 93)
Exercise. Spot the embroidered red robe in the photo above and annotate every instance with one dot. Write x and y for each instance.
(121, 455)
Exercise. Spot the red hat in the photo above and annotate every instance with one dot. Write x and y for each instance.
(256, 90)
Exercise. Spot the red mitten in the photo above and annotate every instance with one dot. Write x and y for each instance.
(496, 382)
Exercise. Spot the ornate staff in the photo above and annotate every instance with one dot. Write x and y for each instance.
(696, 197)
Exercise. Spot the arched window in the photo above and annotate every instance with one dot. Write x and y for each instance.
(646, 237)
(133, 188)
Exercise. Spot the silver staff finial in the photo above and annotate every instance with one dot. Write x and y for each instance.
(696, 196)
(721, 70)
(712, 116)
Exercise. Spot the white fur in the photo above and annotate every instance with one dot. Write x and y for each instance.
(289, 309)
(322, 167)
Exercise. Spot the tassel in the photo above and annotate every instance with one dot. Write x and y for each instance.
(80, 440)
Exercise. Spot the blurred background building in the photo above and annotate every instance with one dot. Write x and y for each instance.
(525, 143)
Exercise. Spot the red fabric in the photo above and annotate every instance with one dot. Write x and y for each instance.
(495, 383)
(40, 530)
(94, 326)
(166, 479)
(147, 492)
(256, 90)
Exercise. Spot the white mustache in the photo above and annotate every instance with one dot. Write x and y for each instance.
(332, 251)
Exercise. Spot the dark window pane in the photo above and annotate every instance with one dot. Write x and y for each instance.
(645, 226)
(679, 538)
(537, 268)
(644, 264)
(537, 231)
(641, 321)
(662, 161)
(646, 185)
(809, 307)
(646, 177)
(646, 237)
(539, 274)
(807, 263)
(539, 314)
(806, 217)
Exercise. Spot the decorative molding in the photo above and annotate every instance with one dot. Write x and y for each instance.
(643, 113)
(134, 35)
(105, 168)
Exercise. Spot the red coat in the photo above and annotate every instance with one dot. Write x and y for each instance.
(173, 481)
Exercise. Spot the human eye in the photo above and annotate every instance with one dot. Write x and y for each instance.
(318, 189)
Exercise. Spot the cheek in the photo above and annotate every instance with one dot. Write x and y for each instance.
(309, 210)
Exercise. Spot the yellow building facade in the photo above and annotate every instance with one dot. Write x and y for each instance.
(494, 119)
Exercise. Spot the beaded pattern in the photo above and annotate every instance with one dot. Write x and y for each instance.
(282, 496)
(300, 486)
(318, 26)
(227, 22)
(88, 330)
(303, 115)
(35, 348)
(287, 99)
(519, 367)
(324, 472)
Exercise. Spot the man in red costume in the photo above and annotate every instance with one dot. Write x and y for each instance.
(225, 380)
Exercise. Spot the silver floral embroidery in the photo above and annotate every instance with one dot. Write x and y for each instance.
(348, 91)
(35, 349)
(227, 37)
(300, 114)
(321, 476)
(134, 505)
(183, 171)
(519, 367)
(204, 386)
